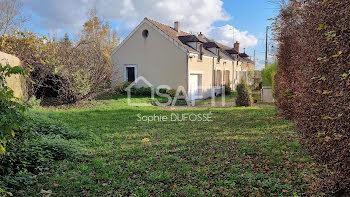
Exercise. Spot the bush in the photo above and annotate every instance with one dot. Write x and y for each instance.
(312, 84)
(228, 89)
(268, 73)
(142, 91)
(171, 92)
(244, 95)
(162, 91)
(41, 142)
(120, 88)
(11, 112)
(46, 126)
(33, 102)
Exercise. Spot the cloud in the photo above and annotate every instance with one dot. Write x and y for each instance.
(225, 35)
(195, 15)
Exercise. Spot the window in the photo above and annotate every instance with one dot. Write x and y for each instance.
(200, 56)
(145, 33)
(218, 78)
(227, 77)
(218, 53)
(130, 73)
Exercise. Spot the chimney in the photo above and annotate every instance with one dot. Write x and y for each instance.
(200, 35)
(177, 26)
(236, 46)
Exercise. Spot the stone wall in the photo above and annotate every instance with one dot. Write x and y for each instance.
(16, 83)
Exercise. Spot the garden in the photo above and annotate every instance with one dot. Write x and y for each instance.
(100, 148)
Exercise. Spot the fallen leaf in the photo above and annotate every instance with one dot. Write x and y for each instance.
(145, 140)
(46, 193)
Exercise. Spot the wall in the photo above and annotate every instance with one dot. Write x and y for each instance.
(15, 82)
(266, 95)
(204, 67)
(159, 60)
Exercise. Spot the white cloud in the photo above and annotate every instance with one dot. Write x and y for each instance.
(225, 35)
(195, 15)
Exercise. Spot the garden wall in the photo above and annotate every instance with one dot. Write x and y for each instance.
(16, 83)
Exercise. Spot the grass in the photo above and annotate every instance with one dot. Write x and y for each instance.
(243, 152)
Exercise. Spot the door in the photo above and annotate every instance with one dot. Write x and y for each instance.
(130, 73)
(194, 87)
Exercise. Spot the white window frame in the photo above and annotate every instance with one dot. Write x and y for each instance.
(130, 66)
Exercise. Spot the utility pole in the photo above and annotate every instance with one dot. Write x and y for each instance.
(266, 48)
(233, 35)
(254, 56)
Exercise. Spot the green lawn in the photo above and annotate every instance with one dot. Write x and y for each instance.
(244, 151)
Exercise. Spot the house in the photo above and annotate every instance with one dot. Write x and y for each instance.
(166, 55)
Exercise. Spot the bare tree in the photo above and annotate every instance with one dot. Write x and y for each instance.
(11, 17)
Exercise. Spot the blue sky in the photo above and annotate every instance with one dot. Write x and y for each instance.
(252, 16)
(215, 18)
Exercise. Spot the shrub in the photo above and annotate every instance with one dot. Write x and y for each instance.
(312, 83)
(162, 91)
(171, 92)
(11, 112)
(268, 74)
(120, 88)
(33, 102)
(142, 91)
(40, 143)
(228, 89)
(244, 95)
(46, 126)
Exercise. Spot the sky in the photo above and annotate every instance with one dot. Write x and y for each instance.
(225, 21)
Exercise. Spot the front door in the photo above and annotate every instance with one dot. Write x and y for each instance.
(194, 87)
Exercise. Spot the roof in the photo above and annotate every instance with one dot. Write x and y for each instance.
(183, 37)
(190, 38)
(210, 45)
(243, 55)
(232, 51)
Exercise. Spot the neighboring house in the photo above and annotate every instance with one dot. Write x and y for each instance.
(166, 55)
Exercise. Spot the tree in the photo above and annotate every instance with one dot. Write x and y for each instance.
(100, 32)
(244, 95)
(11, 17)
(268, 73)
(66, 40)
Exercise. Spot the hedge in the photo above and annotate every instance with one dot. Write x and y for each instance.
(313, 83)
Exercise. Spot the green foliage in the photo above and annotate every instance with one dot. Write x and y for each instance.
(142, 91)
(33, 102)
(11, 112)
(244, 95)
(171, 92)
(81, 84)
(228, 89)
(41, 142)
(120, 88)
(47, 126)
(268, 74)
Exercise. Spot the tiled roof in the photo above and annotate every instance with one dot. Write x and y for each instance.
(243, 55)
(232, 51)
(190, 38)
(183, 37)
(210, 45)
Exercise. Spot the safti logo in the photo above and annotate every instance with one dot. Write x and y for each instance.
(128, 90)
(180, 94)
